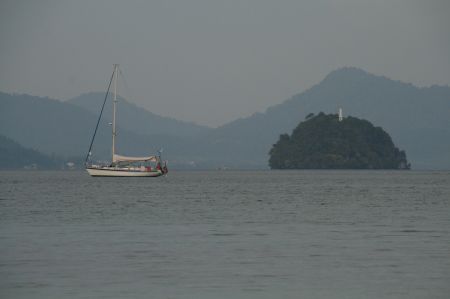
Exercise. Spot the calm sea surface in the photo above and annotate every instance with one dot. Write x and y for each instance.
(267, 234)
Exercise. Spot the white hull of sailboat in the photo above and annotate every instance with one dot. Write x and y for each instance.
(124, 172)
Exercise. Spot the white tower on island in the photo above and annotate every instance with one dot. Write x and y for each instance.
(340, 114)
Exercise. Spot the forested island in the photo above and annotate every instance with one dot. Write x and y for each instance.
(324, 142)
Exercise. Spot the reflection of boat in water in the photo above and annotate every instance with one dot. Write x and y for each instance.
(122, 166)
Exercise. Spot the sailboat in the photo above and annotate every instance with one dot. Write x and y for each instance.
(123, 166)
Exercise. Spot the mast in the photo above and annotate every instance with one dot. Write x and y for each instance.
(116, 66)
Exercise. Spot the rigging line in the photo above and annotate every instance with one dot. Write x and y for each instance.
(98, 121)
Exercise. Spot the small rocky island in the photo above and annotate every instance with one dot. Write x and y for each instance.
(325, 141)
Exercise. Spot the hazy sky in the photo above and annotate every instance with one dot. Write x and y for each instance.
(214, 61)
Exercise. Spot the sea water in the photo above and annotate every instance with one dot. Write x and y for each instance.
(226, 234)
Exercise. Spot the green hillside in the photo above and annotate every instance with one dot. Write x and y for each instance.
(324, 142)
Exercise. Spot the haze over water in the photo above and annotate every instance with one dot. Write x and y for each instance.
(267, 234)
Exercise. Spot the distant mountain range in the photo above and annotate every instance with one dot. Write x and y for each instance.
(15, 156)
(135, 119)
(418, 119)
(65, 128)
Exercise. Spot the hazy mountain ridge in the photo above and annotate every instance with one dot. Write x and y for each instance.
(418, 119)
(64, 129)
(45, 124)
(15, 156)
(137, 119)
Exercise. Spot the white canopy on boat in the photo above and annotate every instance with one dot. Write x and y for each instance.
(119, 158)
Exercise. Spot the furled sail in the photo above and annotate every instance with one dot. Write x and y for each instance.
(119, 158)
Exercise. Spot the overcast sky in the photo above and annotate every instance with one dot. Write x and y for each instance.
(214, 61)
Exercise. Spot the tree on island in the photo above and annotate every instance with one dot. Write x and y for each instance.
(324, 142)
